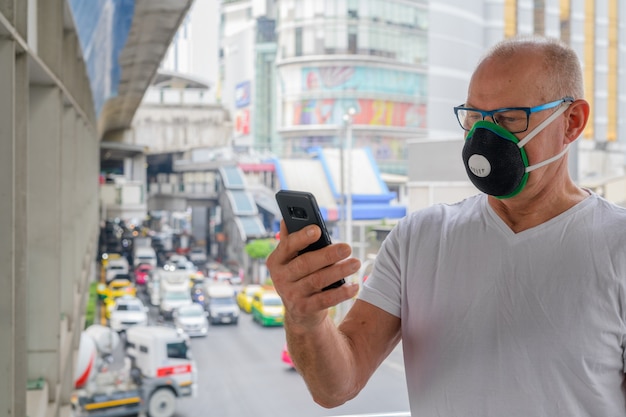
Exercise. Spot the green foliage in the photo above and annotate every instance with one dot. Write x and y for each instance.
(92, 303)
(260, 248)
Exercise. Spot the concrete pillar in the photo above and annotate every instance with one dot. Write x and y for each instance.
(44, 236)
(70, 273)
(13, 279)
(50, 34)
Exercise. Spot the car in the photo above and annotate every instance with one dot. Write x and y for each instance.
(221, 304)
(141, 273)
(198, 256)
(286, 357)
(183, 265)
(226, 277)
(244, 297)
(171, 300)
(121, 285)
(127, 311)
(214, 267)
(267, 308)
(198, 295)
(196, 278)
(176, 258)
(191, 319)
(115, 265)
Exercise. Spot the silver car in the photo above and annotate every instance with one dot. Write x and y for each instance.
(191, 319)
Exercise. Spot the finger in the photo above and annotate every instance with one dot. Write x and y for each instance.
(316, 260)
(320, 279)
(278, 263)
(294, 242)
(308, 307)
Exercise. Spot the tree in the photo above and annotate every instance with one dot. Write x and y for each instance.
(258, 250)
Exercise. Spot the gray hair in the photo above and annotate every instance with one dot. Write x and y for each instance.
(560, 62)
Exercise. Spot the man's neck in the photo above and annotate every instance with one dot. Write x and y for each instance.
(529, 210)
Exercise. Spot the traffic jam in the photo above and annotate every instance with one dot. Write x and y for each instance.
(151, 299)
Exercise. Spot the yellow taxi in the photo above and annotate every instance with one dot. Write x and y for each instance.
(267, 307)
(119, 287)
(244, 297)
(196, 278)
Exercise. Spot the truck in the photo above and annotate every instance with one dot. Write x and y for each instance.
(174, 291)
(144, 255)
(157, 369)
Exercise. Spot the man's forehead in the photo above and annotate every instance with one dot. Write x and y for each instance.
(497, 86)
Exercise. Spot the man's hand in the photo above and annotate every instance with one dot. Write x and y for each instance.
(299, 279)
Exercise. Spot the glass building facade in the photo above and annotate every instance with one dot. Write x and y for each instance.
(367, 55)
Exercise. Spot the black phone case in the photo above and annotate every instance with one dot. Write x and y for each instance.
(300, 209)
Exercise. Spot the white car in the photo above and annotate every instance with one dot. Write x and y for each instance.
(128, 311)
(191, 320)
(116, 266)
(173, 300)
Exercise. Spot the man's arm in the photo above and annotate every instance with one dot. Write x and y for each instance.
(335, 362)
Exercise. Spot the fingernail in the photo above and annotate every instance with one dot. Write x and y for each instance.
(344, 251)
(310, 231)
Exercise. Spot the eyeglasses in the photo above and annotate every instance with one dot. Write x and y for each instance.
(513, 119)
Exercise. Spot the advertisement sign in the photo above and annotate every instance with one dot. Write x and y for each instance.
(242, 122)
(330, 111)
(242, 94)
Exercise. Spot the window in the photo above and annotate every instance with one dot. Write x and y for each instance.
(298, 42)
(353, 9)
(352, 39)
(177, 350)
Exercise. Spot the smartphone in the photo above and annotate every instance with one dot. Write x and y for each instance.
(300, 209)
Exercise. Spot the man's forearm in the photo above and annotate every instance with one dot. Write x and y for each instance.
(323, 356)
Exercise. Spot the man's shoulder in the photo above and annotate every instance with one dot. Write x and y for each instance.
(466, 206)
(439, 215)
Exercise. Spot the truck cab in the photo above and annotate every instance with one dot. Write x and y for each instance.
(161, 352)
(157, 368)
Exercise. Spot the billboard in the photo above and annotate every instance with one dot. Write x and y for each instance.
(242, 94)
(242, 122)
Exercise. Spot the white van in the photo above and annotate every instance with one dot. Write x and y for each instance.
(174, 291)
(144, 255)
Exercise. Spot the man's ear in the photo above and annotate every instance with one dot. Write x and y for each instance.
(577, 116)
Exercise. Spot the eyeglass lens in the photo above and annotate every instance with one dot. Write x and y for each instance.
(512, 120)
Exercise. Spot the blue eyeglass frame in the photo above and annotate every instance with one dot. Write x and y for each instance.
(527, 110)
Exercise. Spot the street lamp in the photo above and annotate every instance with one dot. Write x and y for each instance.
(347, 118)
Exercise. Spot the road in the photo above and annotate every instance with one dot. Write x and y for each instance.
(241, 374)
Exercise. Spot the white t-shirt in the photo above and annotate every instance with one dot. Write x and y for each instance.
(499, 324)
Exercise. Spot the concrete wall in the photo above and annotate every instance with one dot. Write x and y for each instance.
(49, 159)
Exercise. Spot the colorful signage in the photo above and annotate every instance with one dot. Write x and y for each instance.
(242, 122)
(242, 94)
(368, 112)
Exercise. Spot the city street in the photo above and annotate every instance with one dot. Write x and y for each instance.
(240, 373)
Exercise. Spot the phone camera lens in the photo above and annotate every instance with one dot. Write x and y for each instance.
(299, 213)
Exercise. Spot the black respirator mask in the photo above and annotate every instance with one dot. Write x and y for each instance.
(495, 159)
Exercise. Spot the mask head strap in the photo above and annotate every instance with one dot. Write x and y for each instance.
(545, 123)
